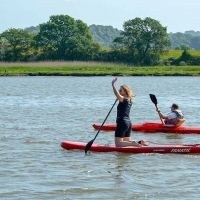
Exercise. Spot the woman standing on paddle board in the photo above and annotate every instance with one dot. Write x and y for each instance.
(124, 125)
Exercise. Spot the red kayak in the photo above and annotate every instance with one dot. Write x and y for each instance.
(151, 127)
(152, 148)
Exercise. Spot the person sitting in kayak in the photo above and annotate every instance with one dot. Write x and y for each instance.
(124, 125)
(173, 116)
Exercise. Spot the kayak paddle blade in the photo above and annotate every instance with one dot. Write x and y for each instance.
(153, 99)
(88, 146)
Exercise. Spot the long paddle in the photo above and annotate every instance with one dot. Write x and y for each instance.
(154, 100)
(89, 144)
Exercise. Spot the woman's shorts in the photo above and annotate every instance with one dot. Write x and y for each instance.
(123, 128)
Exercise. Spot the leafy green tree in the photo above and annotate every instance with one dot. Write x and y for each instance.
(64, 38)
(142, 39)
(16, 44)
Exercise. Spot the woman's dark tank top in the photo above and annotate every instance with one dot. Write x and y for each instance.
(123, 109)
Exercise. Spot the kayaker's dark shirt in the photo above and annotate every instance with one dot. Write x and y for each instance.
(123, 109)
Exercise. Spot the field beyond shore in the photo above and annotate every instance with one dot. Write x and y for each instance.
(92, 69)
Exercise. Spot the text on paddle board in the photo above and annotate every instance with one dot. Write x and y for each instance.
(180, 150)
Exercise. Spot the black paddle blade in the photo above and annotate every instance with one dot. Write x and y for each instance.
(88, 146)
(153, 99)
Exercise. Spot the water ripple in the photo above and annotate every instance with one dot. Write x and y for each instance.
(38, 113)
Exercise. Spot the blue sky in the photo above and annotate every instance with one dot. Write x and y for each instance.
(176, 15)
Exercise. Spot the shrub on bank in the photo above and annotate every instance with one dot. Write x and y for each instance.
(186, 58)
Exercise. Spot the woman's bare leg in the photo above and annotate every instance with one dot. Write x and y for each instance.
(126, 141)
(120, 142)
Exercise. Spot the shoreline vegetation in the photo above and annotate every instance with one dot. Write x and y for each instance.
(61, 68)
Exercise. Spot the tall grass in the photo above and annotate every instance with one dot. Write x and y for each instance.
(92, 69)
(56, 64)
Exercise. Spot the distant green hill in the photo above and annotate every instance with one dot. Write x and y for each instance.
(190, 38)
(33, 29)
(193, 33)
(104, 34)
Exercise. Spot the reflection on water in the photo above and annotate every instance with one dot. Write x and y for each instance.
(38, 113)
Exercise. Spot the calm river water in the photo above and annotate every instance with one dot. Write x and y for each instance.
(38, 113)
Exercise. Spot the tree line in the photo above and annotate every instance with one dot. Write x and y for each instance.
(141, 42)
(190, 40)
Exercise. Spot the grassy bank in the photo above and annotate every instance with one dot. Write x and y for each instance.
(92, 69)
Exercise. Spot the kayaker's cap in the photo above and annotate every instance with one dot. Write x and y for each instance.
(175, 106)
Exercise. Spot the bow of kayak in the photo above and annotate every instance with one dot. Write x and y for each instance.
(151, 127)
(152, 148)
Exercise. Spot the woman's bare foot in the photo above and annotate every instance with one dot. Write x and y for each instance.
(143, 143)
